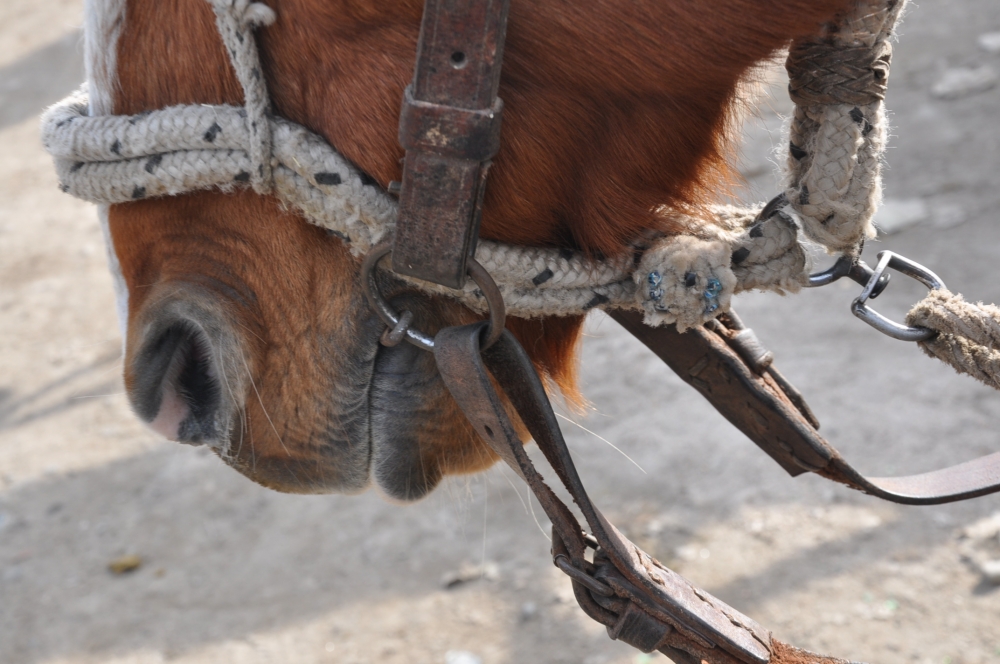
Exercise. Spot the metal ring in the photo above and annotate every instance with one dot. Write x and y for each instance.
(890, 328)
(393, 335)
(396, 323)
(494, 300)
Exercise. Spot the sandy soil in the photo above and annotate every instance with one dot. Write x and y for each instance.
(231, 572)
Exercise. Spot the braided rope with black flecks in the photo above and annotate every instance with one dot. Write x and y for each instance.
(838, 129)
(686, 279)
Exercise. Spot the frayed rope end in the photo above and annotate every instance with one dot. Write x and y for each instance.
(685, 280)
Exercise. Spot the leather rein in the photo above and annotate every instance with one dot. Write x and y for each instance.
(450, 127)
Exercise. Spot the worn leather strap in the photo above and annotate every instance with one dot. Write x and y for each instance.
(639, 600)
(764, 406)
(450, 127)
(648, 605)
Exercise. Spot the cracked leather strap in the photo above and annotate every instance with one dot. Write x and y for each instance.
(764, 406)
(450, 127)
(649, 606)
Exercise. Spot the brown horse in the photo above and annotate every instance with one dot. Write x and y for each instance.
(246, 326)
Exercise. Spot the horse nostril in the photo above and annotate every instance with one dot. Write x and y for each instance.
(175, 388)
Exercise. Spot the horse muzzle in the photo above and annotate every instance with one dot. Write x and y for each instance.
(326, 409)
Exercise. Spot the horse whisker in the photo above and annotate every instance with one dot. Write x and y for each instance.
(599, 437)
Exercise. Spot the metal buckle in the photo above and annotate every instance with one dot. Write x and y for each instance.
(890, 328)
(398, 326)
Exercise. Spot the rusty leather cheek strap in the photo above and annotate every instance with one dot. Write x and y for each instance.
(764, 406)
(648, 605)
(450, 127)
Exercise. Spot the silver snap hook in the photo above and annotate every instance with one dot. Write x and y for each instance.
(860, 308)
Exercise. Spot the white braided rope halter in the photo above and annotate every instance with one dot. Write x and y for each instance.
(686, 279)
(838, 130)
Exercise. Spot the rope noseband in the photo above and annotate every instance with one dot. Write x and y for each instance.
(684, 280)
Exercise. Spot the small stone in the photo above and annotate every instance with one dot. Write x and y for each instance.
(990, 42)
(990, 569)
(688, 552)
(964, 81)
(528, 611)
(654, 527)
(984, 529)
(125, 564)
(461, 657)
(489, 571)
(897, 214)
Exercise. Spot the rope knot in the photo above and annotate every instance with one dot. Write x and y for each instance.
(822, 72)
(258, 14)
(685, 280)
(246, 12)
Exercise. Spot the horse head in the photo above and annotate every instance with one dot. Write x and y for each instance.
(246, 327)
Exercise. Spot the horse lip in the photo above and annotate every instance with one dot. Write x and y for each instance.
(403, 382)
(406, 401)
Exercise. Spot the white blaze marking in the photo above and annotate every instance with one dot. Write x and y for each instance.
(103, 21)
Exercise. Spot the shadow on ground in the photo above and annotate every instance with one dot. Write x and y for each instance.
(225, 559)
(40, 78)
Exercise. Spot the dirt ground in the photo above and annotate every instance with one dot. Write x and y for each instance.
(231, 572)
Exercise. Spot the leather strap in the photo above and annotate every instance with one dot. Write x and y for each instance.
(450, 127)
(640, 601)
(643, 602)
(766, 407)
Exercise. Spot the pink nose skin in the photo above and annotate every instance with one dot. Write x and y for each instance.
(173, 411)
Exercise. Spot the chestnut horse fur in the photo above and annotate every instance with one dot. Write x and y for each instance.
(247, 329)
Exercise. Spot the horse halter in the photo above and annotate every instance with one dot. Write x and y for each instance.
(450, 126)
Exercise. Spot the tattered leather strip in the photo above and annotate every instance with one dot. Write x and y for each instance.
(450, 127)
(699, 623)
(759, 405)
